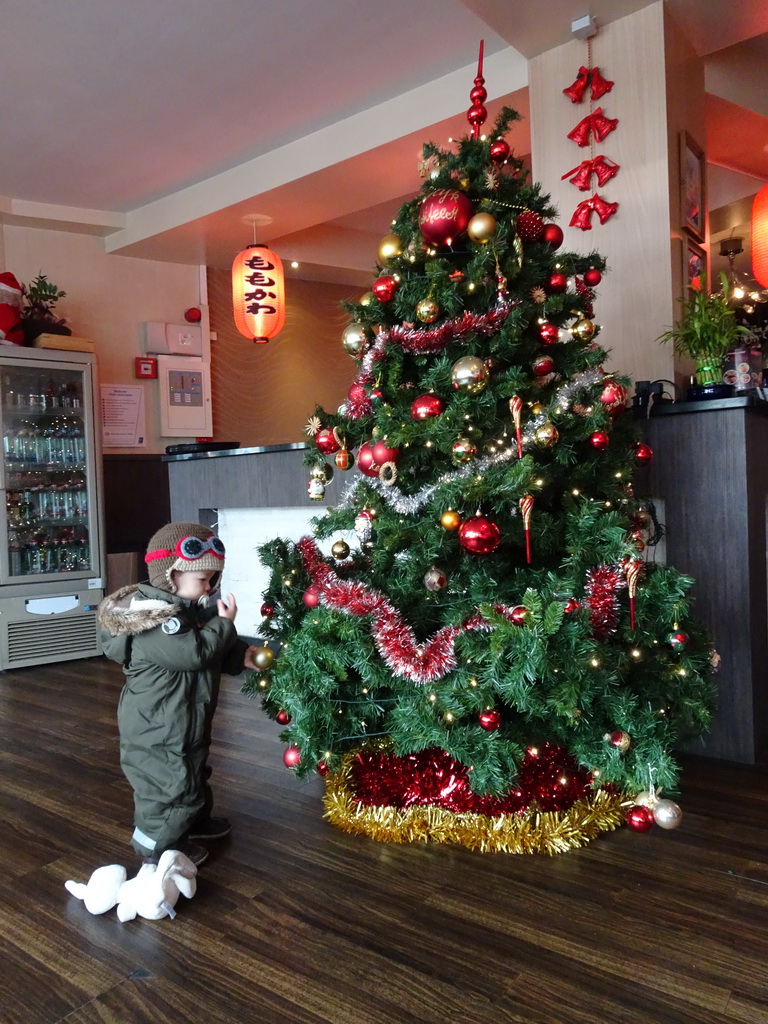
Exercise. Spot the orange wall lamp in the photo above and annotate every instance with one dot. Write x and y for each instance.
(760, 237)
(258, 293)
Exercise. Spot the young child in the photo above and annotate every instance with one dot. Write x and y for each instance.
(173, 648)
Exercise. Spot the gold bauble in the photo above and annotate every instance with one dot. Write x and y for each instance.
(355, 340)
(463, 450)
(482, 227)
(464, 182)
(389, 246)
(583, 329)
(537, 409)
(450, 520)
(546, 435)
(340, 550)
(427, 311)
(366, 298)
(470, 374)
(263, 658)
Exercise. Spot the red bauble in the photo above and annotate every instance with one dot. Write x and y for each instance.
(383, 453)
(549, 333)
(553, 235)
(326, 442)
(357, 393)
(613, 395)
(291, 757)
(592, 277)
(444, 216)
(639, 818)
(490, 719)
(530, 226)
(543, 366)
(643, 454)
(426, 406)
(384, 288)
(479, 535)
(312, 596)
(283, 718)
(322, 768)
(600, 440)
(499, 151)
(620, 739)
(519, 615)
(557, 283)
(571, 605)
(366, 462)
(267, 610)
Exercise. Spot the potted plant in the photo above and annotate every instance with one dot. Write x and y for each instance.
(38, 300)
(706, 331)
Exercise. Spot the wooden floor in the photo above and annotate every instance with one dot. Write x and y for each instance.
(295, 921)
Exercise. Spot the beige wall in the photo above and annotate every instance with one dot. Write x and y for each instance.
(108, 298)
(635, 299)
(264, 394)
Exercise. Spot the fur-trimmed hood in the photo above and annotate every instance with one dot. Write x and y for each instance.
(135, 609)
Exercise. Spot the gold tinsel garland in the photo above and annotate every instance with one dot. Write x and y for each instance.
(534, 831)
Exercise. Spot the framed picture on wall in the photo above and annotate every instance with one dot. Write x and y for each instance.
(694, 265)
(692, 195)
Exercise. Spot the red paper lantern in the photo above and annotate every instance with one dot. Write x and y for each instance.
(426, 406)
(760, 236)
(258, 293)
(444, 216)
(479, 535)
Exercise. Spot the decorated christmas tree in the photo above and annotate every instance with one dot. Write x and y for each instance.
(473, 646)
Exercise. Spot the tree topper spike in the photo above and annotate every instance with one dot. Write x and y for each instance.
(477, 113)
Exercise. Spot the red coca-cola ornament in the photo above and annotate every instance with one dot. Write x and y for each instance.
(444, 216)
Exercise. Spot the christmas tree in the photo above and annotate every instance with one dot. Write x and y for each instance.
(492, 661)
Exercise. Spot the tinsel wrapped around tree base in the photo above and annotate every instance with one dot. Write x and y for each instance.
(529, 831)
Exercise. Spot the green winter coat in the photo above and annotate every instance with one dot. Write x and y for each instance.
(173, 652)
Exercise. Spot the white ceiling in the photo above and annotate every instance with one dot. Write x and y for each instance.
(165, 125)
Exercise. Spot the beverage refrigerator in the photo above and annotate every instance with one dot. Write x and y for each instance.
(52, 558)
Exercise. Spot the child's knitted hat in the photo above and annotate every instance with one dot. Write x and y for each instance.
(185, 547)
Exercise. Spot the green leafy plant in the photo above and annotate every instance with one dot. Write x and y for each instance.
(39, 299)
(707, 329)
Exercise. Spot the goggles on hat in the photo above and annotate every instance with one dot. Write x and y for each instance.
(190, 549)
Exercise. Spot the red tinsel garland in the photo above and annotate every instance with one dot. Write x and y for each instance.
(601, 586)
(395, 640)
(424, 340)
(548, 775)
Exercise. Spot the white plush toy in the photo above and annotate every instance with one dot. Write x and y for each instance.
(153, 893)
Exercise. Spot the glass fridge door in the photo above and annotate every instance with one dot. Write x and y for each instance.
(48, 479)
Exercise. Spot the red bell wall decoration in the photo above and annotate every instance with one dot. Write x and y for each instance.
(258, 293)
(760, 237)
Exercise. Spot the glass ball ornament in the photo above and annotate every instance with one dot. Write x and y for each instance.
(354, 340)
(553, 235)
(546, 435)
(325, 442)
(366, 298)
(666, 814)
(311, 596)
(583, 330)
(344, 459)
(444, 216)
(382, 452)
(389, 247)
(292, 757)
(519, 615)
(366, 462)
(479, 535)
(450, 520)
(427, 311)
(463, 450)
(263, 658)
(322, 768)
(613, 396)
(571, 606)
(592, 277)
(499, 151)
(549, 333)
(639, 818)
(482, 227)
(599, 440)
(340, 550)
(385, 287)
(490, 719)
(646, 799)
(426, 406)
(643, 454)
(283, 718)
(470, 374)
(557, 283)
(435, 580)
(678, 640)
(543, 366)
(267, 610)
(619, 739)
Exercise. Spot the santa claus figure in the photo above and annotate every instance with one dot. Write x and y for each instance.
(10, 311)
